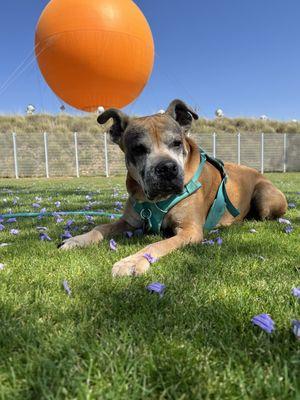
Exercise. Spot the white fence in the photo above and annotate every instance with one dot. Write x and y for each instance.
(87, 154)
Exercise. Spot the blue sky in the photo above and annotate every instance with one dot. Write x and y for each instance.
(242, 56)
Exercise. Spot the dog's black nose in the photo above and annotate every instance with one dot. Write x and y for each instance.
(166, 169)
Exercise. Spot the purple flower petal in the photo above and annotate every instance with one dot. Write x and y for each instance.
(118, 206)
(291, 205)
(14, 231)
(45, 237)
(36, 205)
(213, 231)
(67, 288)
(150, 258)
(43, 210)
(89, 218)
(112, 245)
(2, 227)
(59, 220)
(11, 220)
(66, 235)
(284, 221)
(41, 228)
(57, 204)
(265, 322)
(296, 328)
(296, 292)
(210, 242)
(157, 287)
(1, 267)
(128, 234)
(112, 216)
(219, 241)
(288, 229)
(69, 223)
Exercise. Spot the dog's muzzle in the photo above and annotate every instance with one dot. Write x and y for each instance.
(164, 179)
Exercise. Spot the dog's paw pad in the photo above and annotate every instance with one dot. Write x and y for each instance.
(131, 266)
(69, 244)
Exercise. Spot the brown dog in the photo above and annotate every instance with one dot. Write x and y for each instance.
(161, 159)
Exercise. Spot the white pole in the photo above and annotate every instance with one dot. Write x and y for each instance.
(46, 154)
(76, 154)
(262, 153)
(284, 152)
(106, 155)
(239, 148)
(214, 144)
(15, 155)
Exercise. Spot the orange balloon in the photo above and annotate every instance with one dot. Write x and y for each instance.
(94, 52)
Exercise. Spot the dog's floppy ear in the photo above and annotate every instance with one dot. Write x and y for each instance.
(182, 113)
(120, 122)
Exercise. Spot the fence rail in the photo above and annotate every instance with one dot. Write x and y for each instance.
(86, 154)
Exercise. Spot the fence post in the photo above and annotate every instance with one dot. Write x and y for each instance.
(15, 155)
(284, 153)
(106, 155)
(46, 153)
(214, 144)
(262, 153)
(76, 154)
(239, 148)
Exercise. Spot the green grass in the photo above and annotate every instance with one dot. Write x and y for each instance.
(113, 340)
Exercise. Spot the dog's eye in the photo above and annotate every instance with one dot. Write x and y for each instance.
(139, 150)
(176, 143)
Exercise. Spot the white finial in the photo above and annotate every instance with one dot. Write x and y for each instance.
(30, 109)
(263, 117)
(100, 110)
(219, 113)
(161, 112)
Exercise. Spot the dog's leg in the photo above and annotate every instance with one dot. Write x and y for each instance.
(96, 235)
(267, 201)
(137, 264)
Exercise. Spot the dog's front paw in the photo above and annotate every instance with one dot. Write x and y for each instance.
(130, 266)
(79, 241)
(71, 243)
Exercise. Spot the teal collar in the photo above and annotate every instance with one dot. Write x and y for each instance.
(153, 213)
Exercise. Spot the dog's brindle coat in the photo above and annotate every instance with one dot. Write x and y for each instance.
(160, 160)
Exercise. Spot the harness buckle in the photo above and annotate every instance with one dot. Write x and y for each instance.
(146, 213)
(192, 186)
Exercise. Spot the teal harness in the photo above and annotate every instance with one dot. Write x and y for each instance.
(153, 213)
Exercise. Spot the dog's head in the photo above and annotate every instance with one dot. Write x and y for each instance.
(155, 147)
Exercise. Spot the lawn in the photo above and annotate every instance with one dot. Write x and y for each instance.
(112, 339)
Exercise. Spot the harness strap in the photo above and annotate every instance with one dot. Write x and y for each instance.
(219, 206)
(154, 213)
